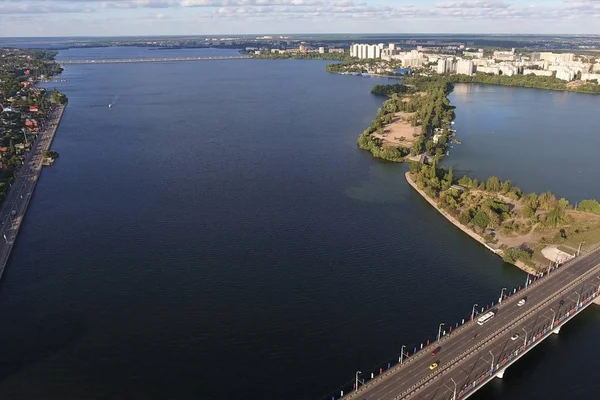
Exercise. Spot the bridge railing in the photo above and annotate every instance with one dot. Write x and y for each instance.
(537, 337)
(395, 366)
(484, 343)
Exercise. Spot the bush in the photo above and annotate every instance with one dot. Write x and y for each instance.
(514, 254)
(589, 206)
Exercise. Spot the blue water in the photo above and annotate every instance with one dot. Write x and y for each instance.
(216, 234)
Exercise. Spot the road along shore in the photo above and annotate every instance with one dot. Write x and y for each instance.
(24, 185)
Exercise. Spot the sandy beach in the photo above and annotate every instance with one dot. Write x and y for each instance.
(400, 132)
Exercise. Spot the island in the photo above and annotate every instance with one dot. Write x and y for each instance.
(533, 232)
(414, 123)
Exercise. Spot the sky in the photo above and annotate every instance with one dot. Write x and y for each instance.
(203, 17)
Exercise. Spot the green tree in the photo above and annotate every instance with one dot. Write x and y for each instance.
(589, 206)
(481, 219)
(548, 201)
(493, 184)
(465, 181)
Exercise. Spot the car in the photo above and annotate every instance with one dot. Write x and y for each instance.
(434, 365)
(436, 350)
(560, 303)
(522, 302)
(514, 336)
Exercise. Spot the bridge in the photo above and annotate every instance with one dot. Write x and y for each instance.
(145, 60)
(471, 355)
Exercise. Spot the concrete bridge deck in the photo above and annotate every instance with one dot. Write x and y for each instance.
(472, 355)
(156, 59)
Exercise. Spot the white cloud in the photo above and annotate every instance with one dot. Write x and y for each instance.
(426, 15)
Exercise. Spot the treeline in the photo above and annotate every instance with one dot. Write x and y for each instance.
(388, 90)
(429, 104)
(303, 56)
(528, 81)
(482, 204)
(350, 65)
(479, 205)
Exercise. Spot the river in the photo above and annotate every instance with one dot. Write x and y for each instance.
(216, 234)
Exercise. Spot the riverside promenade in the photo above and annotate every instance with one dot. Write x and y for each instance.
(18, 196)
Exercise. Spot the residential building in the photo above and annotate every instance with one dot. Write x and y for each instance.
(555, 57)
(504, 55)
(321, 50)
(537, 72)
(565, 74)
(588, 77)
(488, 69)
(464, 67)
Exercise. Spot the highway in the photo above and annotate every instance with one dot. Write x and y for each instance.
(21, 190)
(472, 354)
(143, 60)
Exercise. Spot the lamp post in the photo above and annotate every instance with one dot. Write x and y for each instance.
(357, 373)
(492, 354)
(525, 341)
(553, 318)
(578, 298)
(454, 395)
(440, 331)
(579, 249)
(501, 294)
(598, 284)
(473, 311)
(527, 281)
(401, 354)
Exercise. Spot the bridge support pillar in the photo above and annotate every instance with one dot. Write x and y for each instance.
(501, 373)
(556, 330)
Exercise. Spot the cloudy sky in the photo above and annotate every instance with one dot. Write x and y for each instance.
(164, 17)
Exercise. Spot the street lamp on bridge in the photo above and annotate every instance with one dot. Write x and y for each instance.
(525, 341)
(501, 294)
(440, 331)
(454, 395)
(357, 373)
(553, 318)
(473, 311)
(401, 354)
(492, 368)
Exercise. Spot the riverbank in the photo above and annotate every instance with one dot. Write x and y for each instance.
(528, 81)
(17, 200)
(519, 264)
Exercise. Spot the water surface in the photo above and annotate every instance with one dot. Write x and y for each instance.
(218, 235)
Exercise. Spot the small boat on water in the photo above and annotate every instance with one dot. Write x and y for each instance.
(110, 106)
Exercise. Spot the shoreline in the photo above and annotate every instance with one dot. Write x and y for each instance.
(25, 183)
(522, 266)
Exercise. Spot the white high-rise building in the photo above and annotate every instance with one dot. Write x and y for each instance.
(464, 67)
(365, 51)
(441, 66)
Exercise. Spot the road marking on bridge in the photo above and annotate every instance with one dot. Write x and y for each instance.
(505, 303)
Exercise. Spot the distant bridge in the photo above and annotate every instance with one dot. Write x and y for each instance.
(144, 60)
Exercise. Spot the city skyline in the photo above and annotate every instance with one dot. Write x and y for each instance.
(198, 17)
